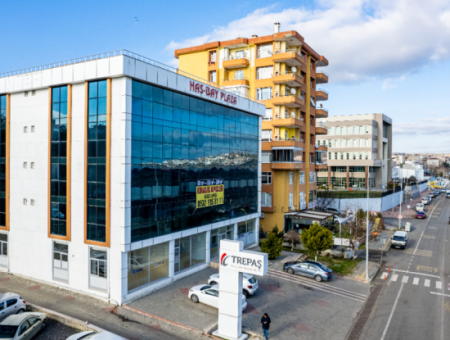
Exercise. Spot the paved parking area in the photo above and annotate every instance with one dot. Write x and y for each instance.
(55, 331)
(298, 307)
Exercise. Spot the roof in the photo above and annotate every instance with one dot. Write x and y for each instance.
(8, 295)
(16, 319)
(311, 214)
(400, 233)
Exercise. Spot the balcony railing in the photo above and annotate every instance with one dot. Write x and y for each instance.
(323, 73)
(322, 91)
(233, 57)
(266, 118)
(281, 73)
(286, 51)
(266, 139)
(234, 78)
(279, 139)
(286, 115)
(288, 94)
(322, 108)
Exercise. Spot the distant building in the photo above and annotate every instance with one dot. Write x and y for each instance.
(434, 162)
(399, 158)
(409, 170)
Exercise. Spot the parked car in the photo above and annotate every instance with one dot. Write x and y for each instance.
(209, 295)
(11, 303)
(447, 195)
(430, 198)
(95, 336)
(249, 283)
(400, 239)
(419, 207)
(436, 193)
(425, 200)
(420, 215)
(444, 190)
(23, 326)
(312, 269)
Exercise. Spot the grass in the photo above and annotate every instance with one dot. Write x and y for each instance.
(340, 266)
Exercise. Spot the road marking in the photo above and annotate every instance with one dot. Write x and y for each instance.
(419, 252)
(394, 277)
(435, 293)
(438, 285)
(427, 283)
(416, 281)
(384, 276)
(392, 313)
(432, 228)
(405, 279)
(418, 242)
(429, 237)
(448, 287)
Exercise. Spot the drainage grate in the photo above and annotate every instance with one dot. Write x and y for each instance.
(360, 323)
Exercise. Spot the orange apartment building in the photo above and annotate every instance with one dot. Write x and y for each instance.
(282, 71)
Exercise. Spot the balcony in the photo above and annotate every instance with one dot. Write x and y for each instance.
(291, 58)
(322, 148)
(235, 81)
(321, 112)
(231, 63)
(268, 143)
(320, 166)
(321, 95)
(287, 120)
(321, 78)
(288, 100)
(288, 78)
(287, 165)
(321, 130)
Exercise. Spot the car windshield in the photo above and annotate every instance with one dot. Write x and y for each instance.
(399, 238)
(322, 266)
(252, 279)
(7, 332)
(88, 336)
(206, 287)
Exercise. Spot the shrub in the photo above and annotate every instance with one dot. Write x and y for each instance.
(272, 245)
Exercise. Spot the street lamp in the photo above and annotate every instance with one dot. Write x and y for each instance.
(345, 220)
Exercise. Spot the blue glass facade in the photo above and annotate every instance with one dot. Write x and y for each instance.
(96, 162)
(58, 161)
(178, 140)
(2, 160)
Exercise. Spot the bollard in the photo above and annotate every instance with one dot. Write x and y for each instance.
(389, 270)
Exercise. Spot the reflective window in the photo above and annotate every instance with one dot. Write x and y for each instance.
(58, 161)
(2, 160)
(96, 162)
(178, 140)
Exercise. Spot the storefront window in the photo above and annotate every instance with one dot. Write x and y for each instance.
(159, 257)
(192, 251)
(138, 268)
(223, 233)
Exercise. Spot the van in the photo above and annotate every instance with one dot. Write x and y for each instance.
(425, 200)
(419, 207)
(400, 239)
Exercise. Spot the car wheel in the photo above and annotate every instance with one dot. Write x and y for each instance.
(318, 278)
(213, 283)
(20, 311)
(290, 271)
(194, 298)
(246, 294)
(44, 324)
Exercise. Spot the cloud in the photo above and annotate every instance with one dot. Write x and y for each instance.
(423, 126)
(362, 39)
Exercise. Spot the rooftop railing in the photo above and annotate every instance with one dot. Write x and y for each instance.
(116, 54)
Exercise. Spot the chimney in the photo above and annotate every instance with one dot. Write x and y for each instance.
(277, 27)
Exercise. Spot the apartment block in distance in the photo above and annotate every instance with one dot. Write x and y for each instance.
(280, 70)
(119, 177)
(359, 151)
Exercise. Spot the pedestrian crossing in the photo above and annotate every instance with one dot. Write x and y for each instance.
(416, 281)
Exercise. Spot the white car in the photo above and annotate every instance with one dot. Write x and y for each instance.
(22, 326)
(95, 336)
(425, 200)
(249, 283)
(209, 295)
(419, 206)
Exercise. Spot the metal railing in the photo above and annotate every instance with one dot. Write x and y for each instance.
(233, 57)
(279, 139)
(322, 91)
(287, 50)
(280, 73)
(322, 73)
(234, 78)
(266, 139)
(286, 115)
(116, 54)
(288, 94)
(321, 108)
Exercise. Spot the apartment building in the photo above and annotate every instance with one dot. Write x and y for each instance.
(282, 71)
(119, 177)
(359, 151)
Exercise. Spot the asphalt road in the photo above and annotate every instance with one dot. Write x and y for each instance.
(414, 300)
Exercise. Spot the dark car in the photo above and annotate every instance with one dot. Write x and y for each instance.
(312, 269)
(436, 193)
(421, 215)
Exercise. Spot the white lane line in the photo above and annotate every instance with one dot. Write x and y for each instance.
(436, 293)
(448, 287)
(438, 285)
(416, 281)
(384, 276)
(394, 277)
(392, 313)
(405, 279)
(415, 273)
(427, 283)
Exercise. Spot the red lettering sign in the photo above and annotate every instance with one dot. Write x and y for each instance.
(212, 92)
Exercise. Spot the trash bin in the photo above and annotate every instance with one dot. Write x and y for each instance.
(408, 226)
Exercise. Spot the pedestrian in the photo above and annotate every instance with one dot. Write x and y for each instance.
(265, 321)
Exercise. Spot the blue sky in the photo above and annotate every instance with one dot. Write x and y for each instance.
(386, 56)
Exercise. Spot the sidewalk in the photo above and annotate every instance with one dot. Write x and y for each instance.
(359, 273)
(121, 321)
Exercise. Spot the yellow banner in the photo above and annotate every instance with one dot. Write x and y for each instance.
(209, 195)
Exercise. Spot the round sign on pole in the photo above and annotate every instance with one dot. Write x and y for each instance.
(400, 217)
(409, 206)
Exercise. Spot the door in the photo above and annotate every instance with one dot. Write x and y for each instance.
(312, 270)
(209, 298)
(35, 327)
(4, 250)
(302, 269)
(11, 307)
(177, 256)
(98, 278)
(61, 261)
(24, 332)
(2, 311)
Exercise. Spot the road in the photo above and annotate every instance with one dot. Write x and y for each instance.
(414, 300)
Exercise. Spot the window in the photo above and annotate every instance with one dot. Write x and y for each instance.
(11, 302)
(266, 157)
(266, 199)
(330, 131)
(349, 130)
(25, 129)
(222, 233)
(239, 54)
(291, 177)
(355, 145)
(338, 169)
(98, 262)
(266, 135)
(367, 129)
(357, 169)
(335, 155)
(348, 143)
(264, 93)
(25, 201)
(268, 115)
(360, 155)
(336, 143)
(291, 199)
(96, 167)
(354, 155)
(264, 51)
(312, 177)
(329, 155)
(329, 143)
(32, 128)
(354, 130)
(25, 326)
(367, 155)
(32, 165)
(61, 261)
(342, 143)
(32, 201)
(287, 155)
(24, 165)
(302, 177)
(212, 57)
(336, 131)
(266, 177)
(212, 76)
(360, 130)
(342, 131)
(367, 143)
(302, 197)
(348, 155)
(361, 143)
(239, 74)
(264, 72)
(342, 155)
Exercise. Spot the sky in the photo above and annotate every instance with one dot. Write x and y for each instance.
(385, 56)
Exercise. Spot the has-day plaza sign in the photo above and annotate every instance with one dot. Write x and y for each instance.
(212, 92)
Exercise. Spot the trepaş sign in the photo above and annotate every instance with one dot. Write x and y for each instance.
(245, 262)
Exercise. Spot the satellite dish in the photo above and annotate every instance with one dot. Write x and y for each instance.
(292, 91)
(292, 114)
(294, 69)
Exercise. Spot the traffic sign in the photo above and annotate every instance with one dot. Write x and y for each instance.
(400, 216)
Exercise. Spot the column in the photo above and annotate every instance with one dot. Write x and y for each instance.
(329, 176)
(208, 246)
(348, 183)
(171, 258)
(367, 176)
(257, 231)
(235, 234)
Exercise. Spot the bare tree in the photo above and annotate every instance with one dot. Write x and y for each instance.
(325, 199)
(292, 236)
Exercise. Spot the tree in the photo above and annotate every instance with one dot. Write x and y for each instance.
(272, 245)
(324, 199)
(292, 236)
(441, 174)
(276, 232)
(317, 238)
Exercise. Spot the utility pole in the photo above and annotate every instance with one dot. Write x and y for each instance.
(401, 201)
(367, 231)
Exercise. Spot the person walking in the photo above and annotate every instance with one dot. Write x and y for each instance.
(265, 321)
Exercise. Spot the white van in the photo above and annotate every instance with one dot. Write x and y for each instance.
(419, 207)
(425, 200)
(400, 239)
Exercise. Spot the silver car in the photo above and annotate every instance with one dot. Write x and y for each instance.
(95, 336)
(23, 326)
(11, 303)
(312, 269)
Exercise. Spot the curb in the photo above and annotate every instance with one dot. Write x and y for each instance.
(64, 319)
